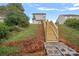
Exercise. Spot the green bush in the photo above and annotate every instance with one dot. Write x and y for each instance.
(24, 20)
(15, 19)
(72, 22)
(12, 19)
(3, 31)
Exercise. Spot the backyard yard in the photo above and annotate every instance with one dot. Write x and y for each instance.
(27, 42)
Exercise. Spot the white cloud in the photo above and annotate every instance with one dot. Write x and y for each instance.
(50, 9)
(47, 9)
(73, 8)
(76, 4)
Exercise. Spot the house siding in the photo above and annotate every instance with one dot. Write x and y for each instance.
(2, 18)
(38, 17)
(62, 18)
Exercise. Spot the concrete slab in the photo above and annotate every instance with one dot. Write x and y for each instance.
(59, 49)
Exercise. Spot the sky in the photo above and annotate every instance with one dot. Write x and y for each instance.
(52, 10)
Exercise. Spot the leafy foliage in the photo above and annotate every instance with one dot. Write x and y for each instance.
(24, 20)
(16, 15)
(15, 18)
(11, 19)
(73, 23)
(3, 31)
(15, 7)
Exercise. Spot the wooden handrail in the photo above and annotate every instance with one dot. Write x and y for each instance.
(53, 30)
(52, 26)
(55, 27)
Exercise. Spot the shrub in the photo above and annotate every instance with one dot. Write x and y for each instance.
(15, 19)
(23, 20)
(3, 31)
(73, 23)
(11, 19)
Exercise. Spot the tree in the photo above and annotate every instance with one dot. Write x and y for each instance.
(16, 15)
(24, 20)
(15, 19)
(15, 7)
(11, 19)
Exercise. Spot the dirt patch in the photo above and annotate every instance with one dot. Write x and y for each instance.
(68, 43)
(31, 46)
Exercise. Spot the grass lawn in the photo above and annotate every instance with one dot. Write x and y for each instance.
(5, 50)
(70, 34)
(12, 50)
(27, 32)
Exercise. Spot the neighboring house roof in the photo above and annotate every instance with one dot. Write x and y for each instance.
(69, 15)
(39, 13)
(39, 16)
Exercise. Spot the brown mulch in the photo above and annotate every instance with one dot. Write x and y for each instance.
(68, 43)
(31, 46)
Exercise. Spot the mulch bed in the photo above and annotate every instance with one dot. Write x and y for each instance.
(31, 46)
(68, 43)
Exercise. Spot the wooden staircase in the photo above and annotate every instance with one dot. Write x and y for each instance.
(51, 31)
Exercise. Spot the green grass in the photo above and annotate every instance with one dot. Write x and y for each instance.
(27, 32)
(70, 34)
(4, 50)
